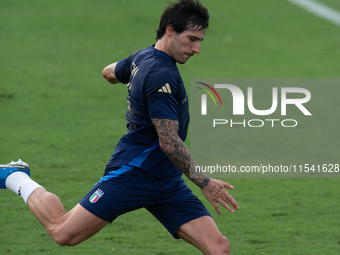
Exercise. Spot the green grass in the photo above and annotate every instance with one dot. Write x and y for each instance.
(58, 114)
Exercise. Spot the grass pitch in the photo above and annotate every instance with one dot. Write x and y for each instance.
(58, 114)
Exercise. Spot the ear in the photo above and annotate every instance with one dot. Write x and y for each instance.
(170, 31)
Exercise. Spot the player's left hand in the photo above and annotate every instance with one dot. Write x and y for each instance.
(215, 192)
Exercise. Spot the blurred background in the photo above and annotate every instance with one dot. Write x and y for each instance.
(59, 115)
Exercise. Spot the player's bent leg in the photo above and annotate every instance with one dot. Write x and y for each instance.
(65, 228)
(204, 235)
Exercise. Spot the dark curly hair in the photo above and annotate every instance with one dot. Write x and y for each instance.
(183, 15)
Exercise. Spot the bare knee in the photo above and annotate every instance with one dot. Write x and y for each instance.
(216, 246)
(74, 227)
(222, 246)
(65, 241)
(225, 245)
(63, 238)
(61, 241)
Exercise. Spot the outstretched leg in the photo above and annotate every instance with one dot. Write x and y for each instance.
(65, 228)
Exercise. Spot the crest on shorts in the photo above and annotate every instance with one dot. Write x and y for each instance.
(96, 195)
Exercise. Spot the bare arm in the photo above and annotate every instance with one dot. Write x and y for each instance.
(174, 147)
(109, 73)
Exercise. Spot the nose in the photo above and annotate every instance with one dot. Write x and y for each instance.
(196, 47)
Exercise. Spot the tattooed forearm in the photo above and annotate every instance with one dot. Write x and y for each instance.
(174, 147)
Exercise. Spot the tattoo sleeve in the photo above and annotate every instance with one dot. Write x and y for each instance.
(174, 147)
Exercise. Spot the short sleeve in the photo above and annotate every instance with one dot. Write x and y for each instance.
(124, 67)
(122, 70)
(161, 94)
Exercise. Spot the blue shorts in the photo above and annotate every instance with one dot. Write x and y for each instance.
(128, 188)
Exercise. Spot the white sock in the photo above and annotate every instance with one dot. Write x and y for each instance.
(21, 184)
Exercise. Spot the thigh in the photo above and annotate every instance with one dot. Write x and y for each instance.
(65, 228)
(76, 226)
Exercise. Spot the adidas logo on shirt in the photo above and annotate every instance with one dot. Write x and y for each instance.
(165, 89)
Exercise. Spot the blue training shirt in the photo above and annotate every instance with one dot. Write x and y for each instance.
(155, 90)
